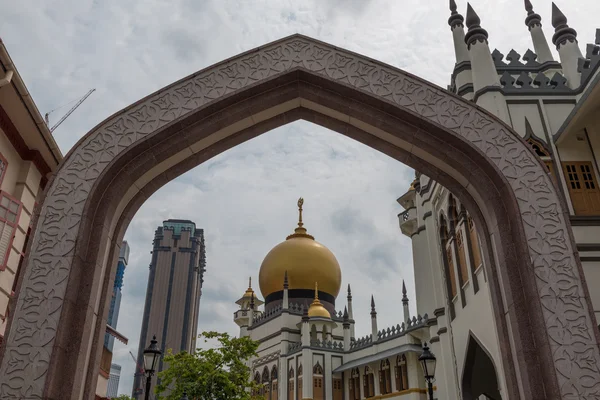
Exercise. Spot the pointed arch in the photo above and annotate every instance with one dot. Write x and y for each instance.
(385, 377)
(113, 169)
(318, 379)
(369, 382)
(291, 381)
(448, 263)
(401, 373)
(354, 384)
(479, 373)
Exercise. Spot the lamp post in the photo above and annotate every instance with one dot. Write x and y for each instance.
(151, 356)
(184, 396)
(427, 360)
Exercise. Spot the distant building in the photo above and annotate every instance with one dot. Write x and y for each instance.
(113, 381)
(115, 302)
(173, 293)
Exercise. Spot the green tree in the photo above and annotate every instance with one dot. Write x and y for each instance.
(217, 373)
(122, 397)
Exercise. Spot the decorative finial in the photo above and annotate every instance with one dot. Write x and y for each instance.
(373, 312)
(285, 280)
(316, 291)
(404, 296)
(562, 31)
(476, 33)
(250, 282)
(346, 316)
(455, 18)
(300, 203)
(349, 292)
(532, 19)
(300, 231)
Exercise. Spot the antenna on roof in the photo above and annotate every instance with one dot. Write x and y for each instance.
(46, 117)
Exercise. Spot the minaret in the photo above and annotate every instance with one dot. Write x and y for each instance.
(483, 68)
(251, 313)
(350, 313)
(346, 326)
(373, 320)
(285, 304)
(458, 34)
(405, 303)
(540, 44)
(565, 39)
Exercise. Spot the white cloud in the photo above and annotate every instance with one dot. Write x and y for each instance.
(245, 198)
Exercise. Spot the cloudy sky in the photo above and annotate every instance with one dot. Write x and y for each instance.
(126, 49)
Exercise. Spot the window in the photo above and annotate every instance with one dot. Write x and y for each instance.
(291, 384)
(462, 259)
(544, 154)
(318, 393)
(401, 373)
(354, 383)
(265, 383)
(299, 382)
(274, 383)
(385, 378)
(451, 273)
(369, 383)
(583, 187)
(338, 393)
(476, 250)
(10, 210)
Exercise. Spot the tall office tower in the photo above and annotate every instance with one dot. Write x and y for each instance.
(115, 301)
(173, 293)
(113, 381)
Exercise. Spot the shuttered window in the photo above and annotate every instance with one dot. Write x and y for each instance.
(10, 210)
(451, 274)
(583, 187)
(462, 259)
(474, 244)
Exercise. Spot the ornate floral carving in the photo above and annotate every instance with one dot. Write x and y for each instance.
(30, 342)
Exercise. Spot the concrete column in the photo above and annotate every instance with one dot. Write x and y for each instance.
(350, 313)
(307, 374)
(286, 303)
(376, 380)
(282, 379)
(327, 377)
(565, 39)
(484, 71)
(540, 44)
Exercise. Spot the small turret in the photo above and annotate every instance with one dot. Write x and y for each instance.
(565, 39)
(405, 303)
(540, 44)
(286, 302)
(346, 326)
(350, 313)
(484, 71)
(373, 319)
(458, 34)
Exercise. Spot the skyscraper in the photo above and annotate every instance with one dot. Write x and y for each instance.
(113, 381)
(173, 292)
(115, 301)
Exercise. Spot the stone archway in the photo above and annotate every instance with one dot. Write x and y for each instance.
(542, 308)
(479, 373)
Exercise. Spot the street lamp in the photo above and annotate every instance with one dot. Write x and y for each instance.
(184, 397)
(427, 360)
(151, 356)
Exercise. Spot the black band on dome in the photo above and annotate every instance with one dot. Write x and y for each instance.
(300, 294)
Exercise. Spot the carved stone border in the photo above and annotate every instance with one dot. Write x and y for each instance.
(61, 232)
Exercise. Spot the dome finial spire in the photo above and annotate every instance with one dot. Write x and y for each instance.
(300, 203)
(249, 282)
(316, 292)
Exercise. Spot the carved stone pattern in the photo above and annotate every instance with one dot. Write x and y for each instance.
(30, 342)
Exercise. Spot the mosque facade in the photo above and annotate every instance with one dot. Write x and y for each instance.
(308, 349)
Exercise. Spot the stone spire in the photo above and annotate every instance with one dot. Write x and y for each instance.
(458, 33)
(346, 326)
(350, 314)
(476, 33)
(286, 302)
(540, 44)
(373, 320)
(483, 69)
(405, 309)
(565, 39)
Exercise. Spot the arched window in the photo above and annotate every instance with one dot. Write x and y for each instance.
(291, 384)
(318, 389)
(274, 386)
(299, 382)
(385, 377)
(369, 383)
(266, 378)
(544, 154)
(354, 389)
(448, 258)
(401, 373)
(474, 242)
(257, 390)
(456, 225)
(338, 391)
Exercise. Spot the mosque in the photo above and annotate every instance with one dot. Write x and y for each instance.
(308, 349)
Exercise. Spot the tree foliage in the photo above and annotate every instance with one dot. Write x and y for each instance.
(217, 373)
(122, 397)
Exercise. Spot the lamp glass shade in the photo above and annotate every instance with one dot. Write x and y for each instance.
(151, 356)
(428, 361)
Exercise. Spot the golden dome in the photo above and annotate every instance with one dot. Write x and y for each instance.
(316, 309)
(306, 262)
